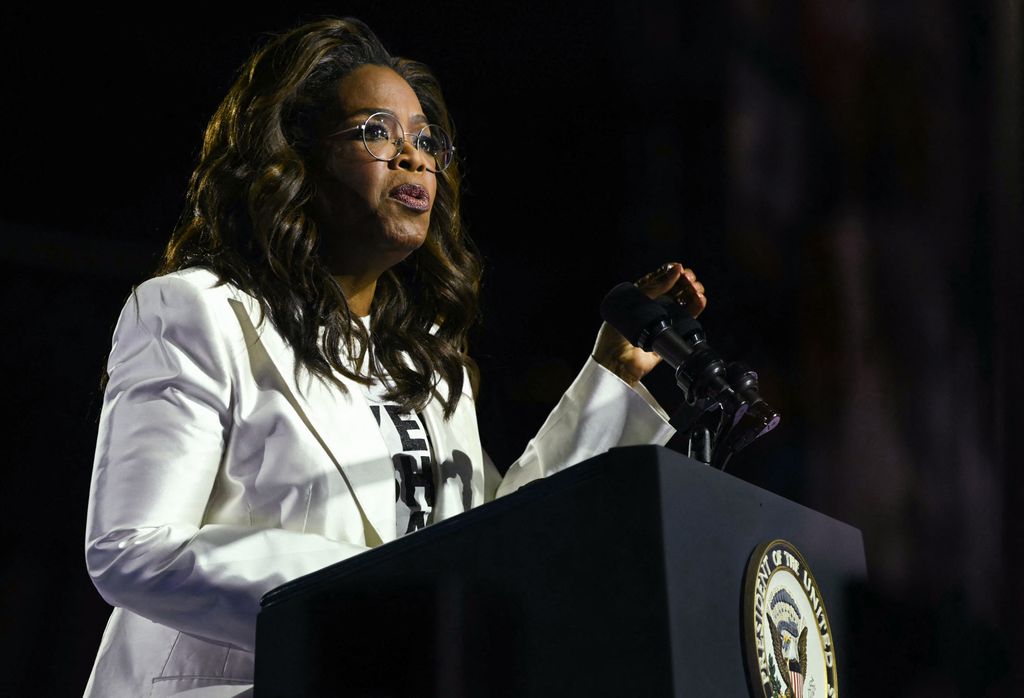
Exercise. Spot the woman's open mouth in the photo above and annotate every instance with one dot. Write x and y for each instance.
(412, 195)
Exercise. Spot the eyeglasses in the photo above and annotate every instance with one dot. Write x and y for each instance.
(384, 138)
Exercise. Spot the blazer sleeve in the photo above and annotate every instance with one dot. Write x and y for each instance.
(165, 422)
(599, 411)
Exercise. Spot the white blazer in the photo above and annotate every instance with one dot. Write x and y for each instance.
(220, 474)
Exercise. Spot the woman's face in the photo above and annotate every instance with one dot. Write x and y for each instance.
(372, 213)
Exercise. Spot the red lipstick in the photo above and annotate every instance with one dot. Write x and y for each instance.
(412, 195)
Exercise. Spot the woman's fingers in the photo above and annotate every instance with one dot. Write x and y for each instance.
(662, 280)
(630, 363)
(678, 282)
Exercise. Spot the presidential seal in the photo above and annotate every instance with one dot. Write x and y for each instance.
(787, 635)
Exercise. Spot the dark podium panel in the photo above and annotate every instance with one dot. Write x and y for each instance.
(620, 576)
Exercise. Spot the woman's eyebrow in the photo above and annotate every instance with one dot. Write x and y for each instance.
(368, 111)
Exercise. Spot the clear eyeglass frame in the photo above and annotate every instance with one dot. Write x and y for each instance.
(431, 140)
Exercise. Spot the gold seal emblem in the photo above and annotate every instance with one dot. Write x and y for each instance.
(787, 634)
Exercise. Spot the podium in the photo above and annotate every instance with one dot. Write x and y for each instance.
(620, 576)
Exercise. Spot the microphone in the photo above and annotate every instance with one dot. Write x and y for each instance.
(740, 377)
(664, 327)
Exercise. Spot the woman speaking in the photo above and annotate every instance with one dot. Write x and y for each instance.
(293, 386)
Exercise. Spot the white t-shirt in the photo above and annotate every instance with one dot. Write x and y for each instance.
(409, 445)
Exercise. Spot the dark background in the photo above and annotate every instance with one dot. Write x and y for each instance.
(844, 176)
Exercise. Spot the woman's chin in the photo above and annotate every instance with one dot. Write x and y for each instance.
(378, 248)
(404, 240)
(395, 249)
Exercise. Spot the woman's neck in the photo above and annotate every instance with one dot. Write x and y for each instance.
(358, 292)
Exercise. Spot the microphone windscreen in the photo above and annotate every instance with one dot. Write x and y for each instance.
(630, 311)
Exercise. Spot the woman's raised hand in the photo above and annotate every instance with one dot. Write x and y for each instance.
(630, 363)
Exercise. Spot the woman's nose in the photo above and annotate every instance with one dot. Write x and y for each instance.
(412, 158)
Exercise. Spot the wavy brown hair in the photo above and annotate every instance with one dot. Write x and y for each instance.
(250, 219)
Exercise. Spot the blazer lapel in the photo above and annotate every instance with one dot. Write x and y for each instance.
(459, 458)
(340, 422)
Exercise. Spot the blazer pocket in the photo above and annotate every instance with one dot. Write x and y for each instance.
(200, 687)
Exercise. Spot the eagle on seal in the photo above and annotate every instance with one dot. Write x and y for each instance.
(790, 652)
